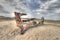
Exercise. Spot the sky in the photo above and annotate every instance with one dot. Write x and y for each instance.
(49, 9)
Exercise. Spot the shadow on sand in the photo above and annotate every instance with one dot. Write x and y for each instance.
(23, 31)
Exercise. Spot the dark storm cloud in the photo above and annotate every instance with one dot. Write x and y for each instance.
(2, 9)
(14, 4)
(34, 6)
(21, 10)
(9, 1)
(43, 1)
(22, 0)
(28, 6)
(53, 7)
(6, 12)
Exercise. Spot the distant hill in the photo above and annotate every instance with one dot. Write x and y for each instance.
(2, 17)
(10, 18)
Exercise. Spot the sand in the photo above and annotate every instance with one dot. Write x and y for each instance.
(48, 31)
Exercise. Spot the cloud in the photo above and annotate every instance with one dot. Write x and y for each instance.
(34, 8)
(2, 9)
(49, 9)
